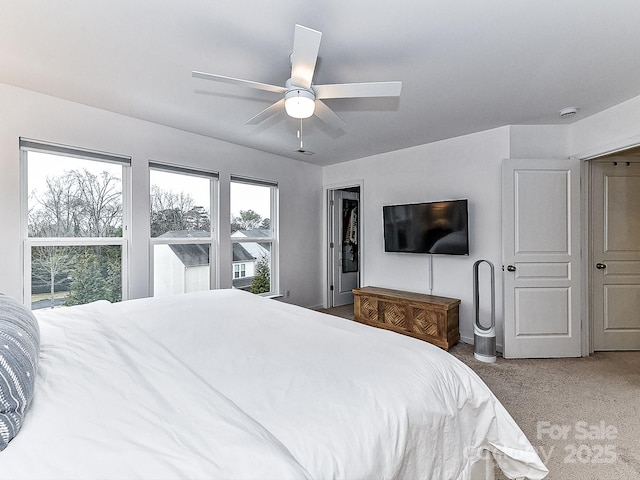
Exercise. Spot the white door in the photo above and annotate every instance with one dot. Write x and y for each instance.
(541, 258)
(345, 246)
(615, 259)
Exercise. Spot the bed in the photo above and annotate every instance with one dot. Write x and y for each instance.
(228, 385)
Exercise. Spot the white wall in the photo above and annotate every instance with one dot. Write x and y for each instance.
(539, 141)
(462, 167)
(31, 115)
(612, 129)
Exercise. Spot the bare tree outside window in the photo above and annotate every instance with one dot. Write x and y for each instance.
(50, 270)
(77, 203)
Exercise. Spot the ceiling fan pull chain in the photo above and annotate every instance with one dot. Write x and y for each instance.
(300, 135)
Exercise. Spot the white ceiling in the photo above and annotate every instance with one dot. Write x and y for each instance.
(466, 65)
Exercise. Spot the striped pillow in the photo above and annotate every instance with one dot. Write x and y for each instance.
(19, 348)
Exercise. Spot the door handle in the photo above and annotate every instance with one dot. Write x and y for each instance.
(601, 266)
(511, 268)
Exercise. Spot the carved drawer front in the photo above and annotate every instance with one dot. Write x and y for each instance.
(369, 308)
(393, 314)
(425, 321)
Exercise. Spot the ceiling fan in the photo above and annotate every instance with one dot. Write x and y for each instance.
(301, 98)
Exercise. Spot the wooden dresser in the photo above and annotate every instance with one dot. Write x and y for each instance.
(427, 317)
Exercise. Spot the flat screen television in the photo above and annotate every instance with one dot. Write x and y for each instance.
(430, 227)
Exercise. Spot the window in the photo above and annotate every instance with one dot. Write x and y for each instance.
(254, 229)
(75, 234)
(181, 222)
(239, 270)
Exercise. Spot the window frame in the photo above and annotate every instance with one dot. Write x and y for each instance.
(212, 240)
(28, 145)
(274, 279)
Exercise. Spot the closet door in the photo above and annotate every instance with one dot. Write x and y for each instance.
(615, 258)
(541, 258)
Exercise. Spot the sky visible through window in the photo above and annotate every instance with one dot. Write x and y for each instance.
(197, 187)
(250, 197)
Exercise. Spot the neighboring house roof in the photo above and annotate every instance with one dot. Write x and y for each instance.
(253, 233)
(240, 254)
(185, 234)
(192, 254)
(243, 283)
(256, 250)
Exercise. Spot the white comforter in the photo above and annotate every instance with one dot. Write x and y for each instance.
(225, 384)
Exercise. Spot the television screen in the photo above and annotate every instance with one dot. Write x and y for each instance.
(433, 227)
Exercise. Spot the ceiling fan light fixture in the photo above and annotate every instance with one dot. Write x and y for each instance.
(299, 103)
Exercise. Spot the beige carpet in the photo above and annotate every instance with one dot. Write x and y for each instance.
(582, 414)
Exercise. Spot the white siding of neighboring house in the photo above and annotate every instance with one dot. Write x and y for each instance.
(197, 278)
(250, 268)
(170, 275)
(168, 272)
(254, 249)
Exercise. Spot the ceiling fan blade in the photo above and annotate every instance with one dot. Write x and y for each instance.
(328, 116)
(237, 81)
(266, 113)
(355, 90)
(306, 44)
